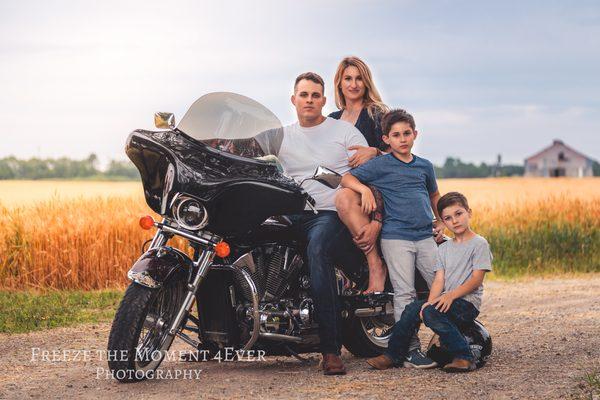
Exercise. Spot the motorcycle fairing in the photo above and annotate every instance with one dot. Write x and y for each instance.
(156, 266)
(238, 192)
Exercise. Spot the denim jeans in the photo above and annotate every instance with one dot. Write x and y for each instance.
(446, 325)
(322, 233)
(403, 332)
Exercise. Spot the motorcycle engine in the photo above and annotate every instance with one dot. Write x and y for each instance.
(283, 316)
(275, 270)
(272, 268)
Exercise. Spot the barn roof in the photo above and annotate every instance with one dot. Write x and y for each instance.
(557, 142)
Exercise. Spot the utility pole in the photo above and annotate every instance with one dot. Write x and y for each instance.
(497, 170)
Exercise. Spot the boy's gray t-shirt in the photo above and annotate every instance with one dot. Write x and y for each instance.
(458, 260)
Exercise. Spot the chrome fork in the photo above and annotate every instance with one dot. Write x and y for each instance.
(202, 264)
(159, 238)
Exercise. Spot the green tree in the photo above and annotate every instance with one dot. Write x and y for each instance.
(122, 169)
(455, 168)
(6, 171)
(596, 168)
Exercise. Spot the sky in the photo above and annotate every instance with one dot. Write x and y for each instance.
(480, 78)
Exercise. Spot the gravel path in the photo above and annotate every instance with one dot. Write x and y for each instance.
(546, 336)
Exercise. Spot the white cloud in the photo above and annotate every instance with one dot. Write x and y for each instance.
(480, 78)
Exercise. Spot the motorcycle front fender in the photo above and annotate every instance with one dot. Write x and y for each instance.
(156, 266)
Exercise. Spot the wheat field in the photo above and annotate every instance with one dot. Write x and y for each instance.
(479, 191)
(27, 193)
(85, 235)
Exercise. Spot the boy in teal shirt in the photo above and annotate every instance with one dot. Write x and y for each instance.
(409, 189)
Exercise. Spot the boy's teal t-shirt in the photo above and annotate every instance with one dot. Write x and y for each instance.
(405, 188)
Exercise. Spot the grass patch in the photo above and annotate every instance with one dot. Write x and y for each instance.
(25, 311)
(530, 277)
(589, 387)
(592, 381)
(548, 248)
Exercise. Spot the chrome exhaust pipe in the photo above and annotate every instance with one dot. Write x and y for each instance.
(373, 312)
(279, 337)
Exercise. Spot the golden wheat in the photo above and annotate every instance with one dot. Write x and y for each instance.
(534, 226)
(27, 193)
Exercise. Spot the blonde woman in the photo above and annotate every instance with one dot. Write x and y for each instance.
(360, 104)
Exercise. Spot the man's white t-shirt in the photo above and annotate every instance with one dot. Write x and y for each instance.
(304, 149)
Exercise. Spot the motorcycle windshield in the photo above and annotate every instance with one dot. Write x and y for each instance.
(233, 123)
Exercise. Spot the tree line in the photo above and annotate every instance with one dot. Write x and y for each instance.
(66, 168)
(455, 168)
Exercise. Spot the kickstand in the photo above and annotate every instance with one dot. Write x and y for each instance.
(296, 355)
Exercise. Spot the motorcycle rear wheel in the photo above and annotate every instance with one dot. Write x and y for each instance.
(140, 328)
(367, 336)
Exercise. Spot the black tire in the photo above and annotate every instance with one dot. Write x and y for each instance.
(140, 305)
(358, 333)
(367, 336)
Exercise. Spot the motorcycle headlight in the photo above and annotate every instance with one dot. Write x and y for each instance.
(190, 213)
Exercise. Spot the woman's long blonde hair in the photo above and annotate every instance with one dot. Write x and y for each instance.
(372, 98)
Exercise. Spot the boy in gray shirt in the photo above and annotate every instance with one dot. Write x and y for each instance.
(456, 291)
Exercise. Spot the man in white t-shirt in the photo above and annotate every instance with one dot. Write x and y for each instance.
(312, 141)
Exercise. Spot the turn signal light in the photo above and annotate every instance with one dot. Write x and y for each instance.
(222, 249)
(146, 222)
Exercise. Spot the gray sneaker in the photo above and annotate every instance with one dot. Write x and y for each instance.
(416, 359)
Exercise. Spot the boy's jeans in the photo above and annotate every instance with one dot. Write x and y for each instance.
(444, 324)
(402, 258)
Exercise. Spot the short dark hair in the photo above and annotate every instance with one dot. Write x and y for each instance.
(394, 116)
(451, 199)
(310, 76)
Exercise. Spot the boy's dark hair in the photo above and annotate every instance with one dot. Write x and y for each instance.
(450, 199)
(310, 76)
(394, 116)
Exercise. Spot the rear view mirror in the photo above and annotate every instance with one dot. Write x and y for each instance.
(164, 120)
(327, 177)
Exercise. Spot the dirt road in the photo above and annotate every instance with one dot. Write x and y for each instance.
(546, 337)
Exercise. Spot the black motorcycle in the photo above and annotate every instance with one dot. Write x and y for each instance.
(246, 274)
(215, 185)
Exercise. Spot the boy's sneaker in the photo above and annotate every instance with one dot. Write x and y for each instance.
(459, 365)
(416, 359)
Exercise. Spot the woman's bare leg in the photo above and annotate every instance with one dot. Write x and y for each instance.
(348, 207)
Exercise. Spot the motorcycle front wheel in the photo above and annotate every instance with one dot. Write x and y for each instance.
(140, 328)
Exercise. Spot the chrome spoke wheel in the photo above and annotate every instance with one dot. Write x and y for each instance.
(378, 329)
(155, 328)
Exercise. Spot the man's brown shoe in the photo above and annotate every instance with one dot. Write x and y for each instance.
(333, 365)
(381, 362)
(459, 365)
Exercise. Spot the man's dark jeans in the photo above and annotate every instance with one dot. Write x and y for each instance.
(446, 324)
(323, 233)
